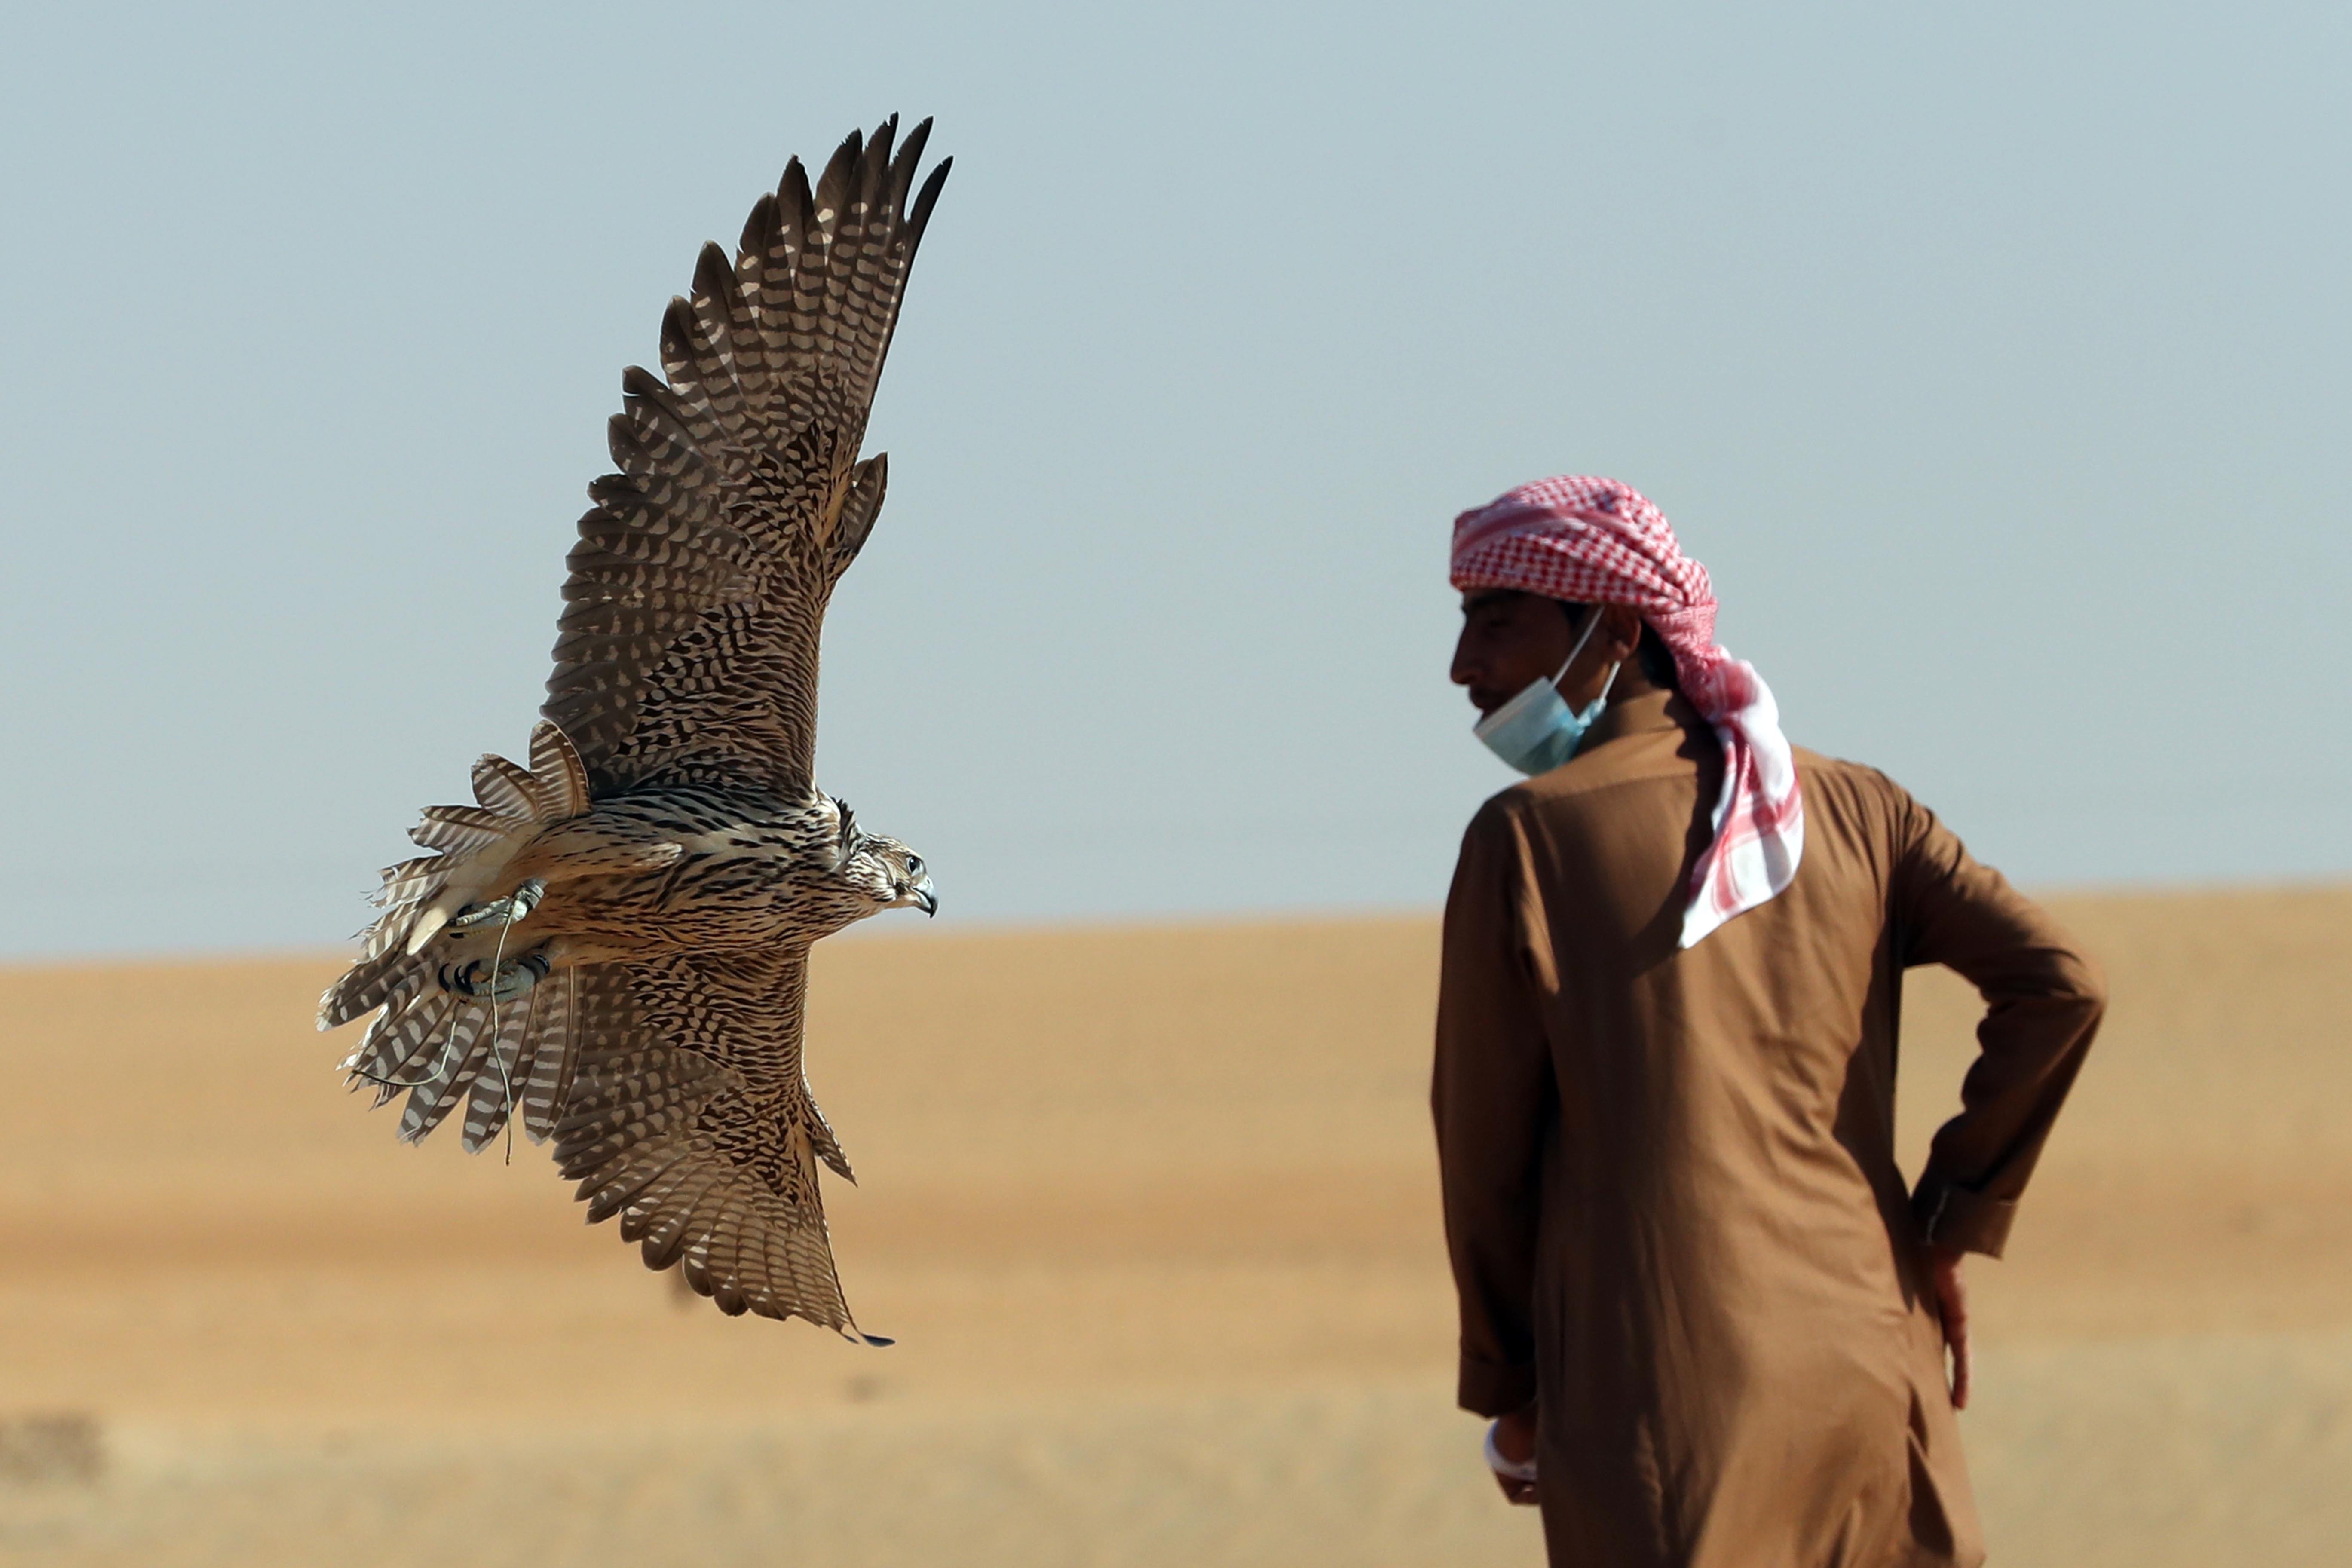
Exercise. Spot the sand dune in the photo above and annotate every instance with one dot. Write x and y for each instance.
(1152, 1215)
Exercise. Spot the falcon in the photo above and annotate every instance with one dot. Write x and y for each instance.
(611, 944)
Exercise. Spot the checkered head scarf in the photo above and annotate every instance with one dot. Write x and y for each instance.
(1592, 540)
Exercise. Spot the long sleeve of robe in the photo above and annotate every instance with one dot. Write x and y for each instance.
(1671, 1197)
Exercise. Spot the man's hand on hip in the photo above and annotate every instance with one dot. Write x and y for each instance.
(1952, 1308)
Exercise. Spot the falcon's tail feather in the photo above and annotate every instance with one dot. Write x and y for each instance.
(498, 1086)
(436, 1044)
(474, 843)
(427, 1040)
(401, 1047)
(478, 841)
(462, 1056)
(544, 1072)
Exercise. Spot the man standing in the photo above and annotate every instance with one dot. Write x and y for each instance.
(1710, 1320)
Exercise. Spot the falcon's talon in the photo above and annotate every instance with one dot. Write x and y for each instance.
(514, 978)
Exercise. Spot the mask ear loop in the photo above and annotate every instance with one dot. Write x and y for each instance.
(1591, 624)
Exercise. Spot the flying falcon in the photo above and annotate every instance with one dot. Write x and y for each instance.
(613, 941)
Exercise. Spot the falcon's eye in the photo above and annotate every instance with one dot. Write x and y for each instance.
(914, 865)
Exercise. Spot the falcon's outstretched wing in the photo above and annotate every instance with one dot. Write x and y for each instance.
(689, 1118)
(688, 644)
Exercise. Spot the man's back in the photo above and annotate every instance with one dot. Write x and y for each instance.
(1671, 1190)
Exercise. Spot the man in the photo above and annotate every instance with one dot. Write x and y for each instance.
(1706, 1314)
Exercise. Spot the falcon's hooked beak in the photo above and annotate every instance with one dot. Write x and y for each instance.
(914, 891)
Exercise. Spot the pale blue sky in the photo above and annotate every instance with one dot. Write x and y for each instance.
(1993, 358)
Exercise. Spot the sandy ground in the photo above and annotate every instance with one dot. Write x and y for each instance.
(1151, 1212)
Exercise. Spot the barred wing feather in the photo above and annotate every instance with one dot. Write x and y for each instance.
(687, 647)
(690, 1119)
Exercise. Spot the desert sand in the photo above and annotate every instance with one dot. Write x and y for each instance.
(1151, 1212)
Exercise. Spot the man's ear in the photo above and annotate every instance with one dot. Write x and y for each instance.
(1621, 633)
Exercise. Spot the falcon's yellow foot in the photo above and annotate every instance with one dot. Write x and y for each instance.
(513, 978)
(514, 907)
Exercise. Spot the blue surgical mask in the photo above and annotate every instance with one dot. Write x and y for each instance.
(1535, 731)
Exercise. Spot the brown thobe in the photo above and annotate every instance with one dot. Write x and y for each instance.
(1670, 1194)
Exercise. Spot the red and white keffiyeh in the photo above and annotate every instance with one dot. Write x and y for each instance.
(1592, 540)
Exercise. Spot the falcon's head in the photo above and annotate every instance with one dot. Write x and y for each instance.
(882, 871)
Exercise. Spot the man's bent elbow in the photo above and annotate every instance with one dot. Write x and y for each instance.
(2086, 985)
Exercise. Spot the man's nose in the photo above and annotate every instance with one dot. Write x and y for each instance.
(1465, 667)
